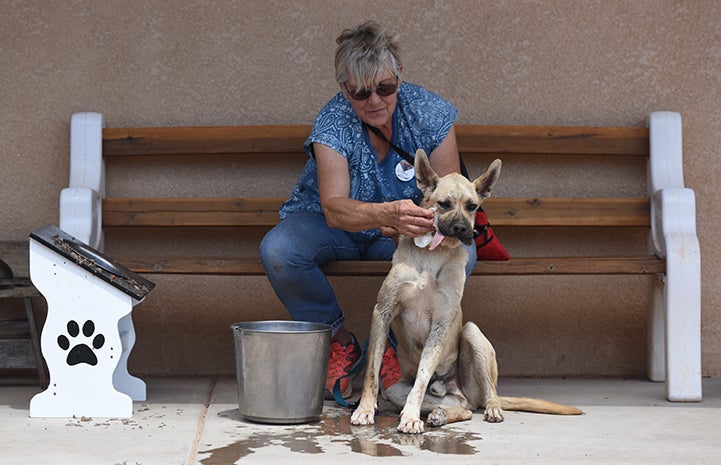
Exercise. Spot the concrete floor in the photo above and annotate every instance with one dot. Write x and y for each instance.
(196, 421)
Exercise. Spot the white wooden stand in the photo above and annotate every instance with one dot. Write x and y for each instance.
(85, 341)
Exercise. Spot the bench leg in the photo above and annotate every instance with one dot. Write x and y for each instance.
(657, 331)
(674, 340)
(683, 319)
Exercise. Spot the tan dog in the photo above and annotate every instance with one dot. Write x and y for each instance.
(420, 300)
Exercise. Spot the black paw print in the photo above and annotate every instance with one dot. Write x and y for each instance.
(81, 353)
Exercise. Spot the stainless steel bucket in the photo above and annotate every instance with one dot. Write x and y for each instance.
(281, 369)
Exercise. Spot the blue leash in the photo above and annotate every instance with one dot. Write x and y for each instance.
(360, 364)
(337, 395)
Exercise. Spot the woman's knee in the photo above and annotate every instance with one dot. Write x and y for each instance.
(273, 250)
(283, 247)
(266, 246)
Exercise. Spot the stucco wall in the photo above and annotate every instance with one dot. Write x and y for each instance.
(154, 63)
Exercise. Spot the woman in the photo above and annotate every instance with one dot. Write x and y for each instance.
(356, 192)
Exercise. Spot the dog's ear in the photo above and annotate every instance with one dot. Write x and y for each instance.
(426, 178)
(485, 182)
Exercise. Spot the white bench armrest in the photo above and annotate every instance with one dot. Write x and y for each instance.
(81, 203)
(80, 214)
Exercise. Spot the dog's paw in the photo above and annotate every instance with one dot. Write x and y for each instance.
(437, 417)
(362, 417)
(493, 414)
(410, 425)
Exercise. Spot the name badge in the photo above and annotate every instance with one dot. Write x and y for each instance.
(405, 171)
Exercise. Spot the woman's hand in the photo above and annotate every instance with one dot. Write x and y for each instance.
(409, 220)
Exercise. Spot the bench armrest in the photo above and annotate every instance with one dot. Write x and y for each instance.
(81, 215)
(665, 166)
(87, 168)
(673, 213)
(81, 202)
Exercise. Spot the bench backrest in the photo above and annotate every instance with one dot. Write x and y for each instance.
(280, 141)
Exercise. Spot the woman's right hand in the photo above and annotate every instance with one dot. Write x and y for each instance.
(410, 220)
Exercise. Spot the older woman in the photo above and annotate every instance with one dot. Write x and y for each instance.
(357, 192)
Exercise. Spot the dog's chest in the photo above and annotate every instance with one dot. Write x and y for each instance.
(425, 284)
(425, 298)
(421, 291)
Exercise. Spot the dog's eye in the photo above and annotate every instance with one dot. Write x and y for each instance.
(471, 207)
(444, 204)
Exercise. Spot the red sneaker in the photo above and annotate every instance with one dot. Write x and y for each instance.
(341, 361)
(390, 369)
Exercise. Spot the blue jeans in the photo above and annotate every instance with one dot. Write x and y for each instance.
(296, 248)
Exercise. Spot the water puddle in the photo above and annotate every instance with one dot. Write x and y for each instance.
(379, 440)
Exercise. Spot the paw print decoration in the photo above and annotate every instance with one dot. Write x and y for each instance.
(79, 350)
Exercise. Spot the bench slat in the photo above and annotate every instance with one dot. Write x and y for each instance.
(174, 212)
(515, 266)
(206, 140)
(618, 212)
(579, 140)
(237, 140)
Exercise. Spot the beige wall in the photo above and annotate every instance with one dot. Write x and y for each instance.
(153, 63)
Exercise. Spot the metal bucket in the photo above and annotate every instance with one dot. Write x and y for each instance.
(281, 370)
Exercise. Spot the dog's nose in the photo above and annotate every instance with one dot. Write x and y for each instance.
(463, 232)
(460, 229)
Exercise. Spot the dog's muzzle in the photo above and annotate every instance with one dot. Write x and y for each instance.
(461, 230)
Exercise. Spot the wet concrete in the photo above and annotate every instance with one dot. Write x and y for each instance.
(625, 422)
(379, 440)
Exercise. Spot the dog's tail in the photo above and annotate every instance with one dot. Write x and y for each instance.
(526, 404)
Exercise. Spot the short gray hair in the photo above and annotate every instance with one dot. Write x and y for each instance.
(364, 53)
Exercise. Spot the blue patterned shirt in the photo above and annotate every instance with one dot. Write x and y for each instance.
(421, 119)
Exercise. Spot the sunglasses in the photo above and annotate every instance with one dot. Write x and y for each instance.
(384, 89)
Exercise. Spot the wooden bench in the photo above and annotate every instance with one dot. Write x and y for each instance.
(19, 334)
(667, 212)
